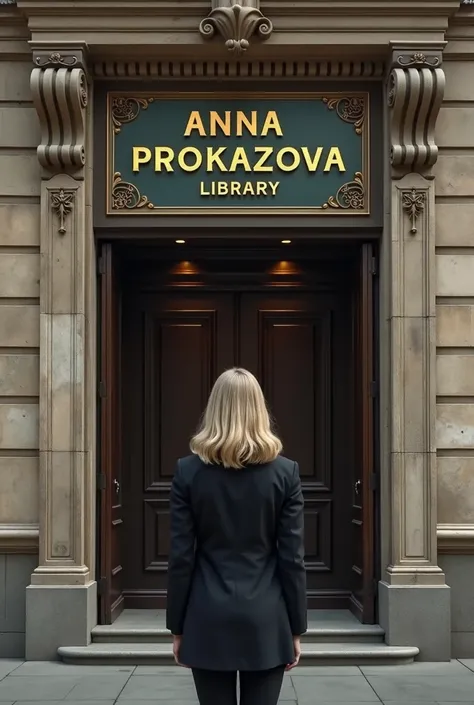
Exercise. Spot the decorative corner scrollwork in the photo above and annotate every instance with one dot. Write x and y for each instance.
(413, 203)
(419, 59)
(350, 196)
(126, 196)
(126, 110)
(236, 21)
(57, 59)
(349, 109)
(62, 203)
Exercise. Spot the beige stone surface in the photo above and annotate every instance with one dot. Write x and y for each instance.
(410, 388)
(455, 426)
(15, 81)
(19, 275)
(19, 490)
(18, 426)
(455, 325)
(62, 382)
(19, 326)
(19, 175)
(455, 275)
(455, 224)
(19, 224)
(459, 80)
(456, 490)
(19, 375)
(455, 375)
(19, 127)
(454, 175)
(453, 128)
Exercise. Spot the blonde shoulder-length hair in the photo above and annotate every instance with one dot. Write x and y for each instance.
(236, 429)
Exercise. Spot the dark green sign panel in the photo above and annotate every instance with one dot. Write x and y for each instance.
(207, 153)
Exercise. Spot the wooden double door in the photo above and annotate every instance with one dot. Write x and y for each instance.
(304, 330)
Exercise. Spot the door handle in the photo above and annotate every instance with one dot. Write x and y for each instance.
(357, 486)
(117, 486)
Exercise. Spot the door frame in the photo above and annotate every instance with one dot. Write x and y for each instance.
(109, 610)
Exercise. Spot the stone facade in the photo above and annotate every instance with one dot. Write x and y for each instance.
(48, 299)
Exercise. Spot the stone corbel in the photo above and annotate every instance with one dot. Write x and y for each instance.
(415, 94)
(236, 21)
(59, 88)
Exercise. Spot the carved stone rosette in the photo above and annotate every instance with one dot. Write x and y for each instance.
(236, 21)
(59, 88)
(415, 94)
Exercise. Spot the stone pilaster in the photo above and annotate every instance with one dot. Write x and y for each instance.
(61, 600)
(414, 600)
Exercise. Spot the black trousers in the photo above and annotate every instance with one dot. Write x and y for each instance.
(256, 687)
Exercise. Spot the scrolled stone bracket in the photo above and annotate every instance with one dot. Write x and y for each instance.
(237, 21)
(415, 94)
(60, 94)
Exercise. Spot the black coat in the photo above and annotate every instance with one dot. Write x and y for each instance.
(237, 581)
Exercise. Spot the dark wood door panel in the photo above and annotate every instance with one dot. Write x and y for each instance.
(110, 477)
(176, 346)
(298, 345)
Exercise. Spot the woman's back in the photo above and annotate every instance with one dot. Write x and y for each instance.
(236, 575)
(248, 570)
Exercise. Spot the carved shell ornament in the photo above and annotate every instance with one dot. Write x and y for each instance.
(236, 21)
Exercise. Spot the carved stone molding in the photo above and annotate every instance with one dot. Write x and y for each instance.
(59, 88)
(413, 203)
(236, 21)
(62, 203)
(415, 94)
(238, 70)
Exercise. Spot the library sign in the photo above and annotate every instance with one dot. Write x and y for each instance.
(252, 153)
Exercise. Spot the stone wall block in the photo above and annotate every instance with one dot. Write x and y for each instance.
(455, 325)
(19, 375)
(456, 491)
(18, 426)
(18, 491)
(455, 375)
(455, 426)
(455, 275)
(19, 275)
(454, 224)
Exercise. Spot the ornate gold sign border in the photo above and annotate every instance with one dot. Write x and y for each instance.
(352, 198)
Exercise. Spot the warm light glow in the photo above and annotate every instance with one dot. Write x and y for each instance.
(286, 242)
(180, 242)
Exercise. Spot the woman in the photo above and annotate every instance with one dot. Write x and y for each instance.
(237, 581)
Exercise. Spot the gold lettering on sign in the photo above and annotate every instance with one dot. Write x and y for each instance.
(222, 158)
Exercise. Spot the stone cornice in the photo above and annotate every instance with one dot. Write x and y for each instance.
(279, 7)
(145, 24)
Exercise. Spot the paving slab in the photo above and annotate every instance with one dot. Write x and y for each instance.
(158, 688)
(56, 668)
(99, 687)
(175, 671)
(69, 702)
(468, 662)
(33, 688)
(418, 668)
(333, 689)
(326, 671)
(8, 665)
(426, 688)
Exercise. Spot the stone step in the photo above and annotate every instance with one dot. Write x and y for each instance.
(339, 654)
(323, 634)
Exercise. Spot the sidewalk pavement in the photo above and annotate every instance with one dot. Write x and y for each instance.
(40, 683)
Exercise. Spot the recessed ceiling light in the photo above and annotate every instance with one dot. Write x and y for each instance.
(286, 242)
(180, 242)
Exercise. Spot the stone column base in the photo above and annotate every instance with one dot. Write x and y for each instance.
(417, 615)
(58, 615)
